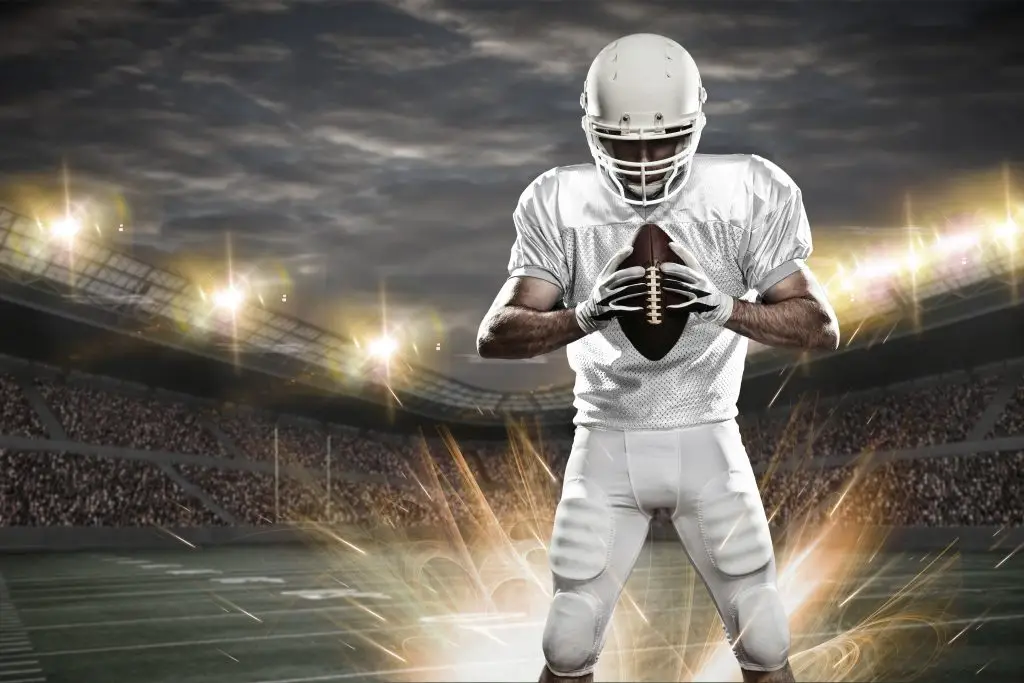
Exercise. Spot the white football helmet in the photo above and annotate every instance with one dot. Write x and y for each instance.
(643, 87)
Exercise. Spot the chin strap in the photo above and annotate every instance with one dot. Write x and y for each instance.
(657, 188)
(653, 190)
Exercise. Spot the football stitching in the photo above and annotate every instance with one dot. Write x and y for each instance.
(653, 281)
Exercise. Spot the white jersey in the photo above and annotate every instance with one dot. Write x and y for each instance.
(741, 216)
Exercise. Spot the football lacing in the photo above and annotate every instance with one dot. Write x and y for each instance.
(653, 281)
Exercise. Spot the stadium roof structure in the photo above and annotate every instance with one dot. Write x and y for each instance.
(104, 286)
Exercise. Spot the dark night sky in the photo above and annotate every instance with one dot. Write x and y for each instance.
(355, 144)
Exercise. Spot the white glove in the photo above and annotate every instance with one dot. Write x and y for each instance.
(705, 300)
(613, 289)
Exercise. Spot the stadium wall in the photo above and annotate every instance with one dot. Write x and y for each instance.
(62, 539)
(18, 443)
(79, 539)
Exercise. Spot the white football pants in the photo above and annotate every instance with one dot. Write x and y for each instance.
(613, 483)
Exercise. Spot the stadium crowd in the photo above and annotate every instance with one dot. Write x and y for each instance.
(403, 481)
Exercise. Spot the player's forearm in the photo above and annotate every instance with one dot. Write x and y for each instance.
(515, 332)
(802, 322)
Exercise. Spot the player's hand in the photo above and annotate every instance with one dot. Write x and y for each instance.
(703, 297)
(611, 295)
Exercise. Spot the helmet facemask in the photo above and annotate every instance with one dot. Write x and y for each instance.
(650, 181)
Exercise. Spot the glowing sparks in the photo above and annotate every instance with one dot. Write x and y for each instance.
(1012, 553)
(238, 609)
(394, 395)
(632, 603)
(176, 537)
(959, 633)
(854, 593)
(369, 611)
(477, 600)
(335, 537)
(383, 649)
(842, 497)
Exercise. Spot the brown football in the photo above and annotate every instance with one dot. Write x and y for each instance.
(654, 330)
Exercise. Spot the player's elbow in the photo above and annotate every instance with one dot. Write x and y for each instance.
(492, 347)
(820, 325)
(830, 338)
(488, 339)
(486, 346)
(828, 334)
(499, 337)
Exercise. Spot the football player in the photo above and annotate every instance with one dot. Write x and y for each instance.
(658, 435)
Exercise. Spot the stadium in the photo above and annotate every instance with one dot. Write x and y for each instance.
(177, 489)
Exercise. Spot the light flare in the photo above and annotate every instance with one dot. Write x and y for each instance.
(65, 228)
(383, 348)
(228, 299)
(480, 594)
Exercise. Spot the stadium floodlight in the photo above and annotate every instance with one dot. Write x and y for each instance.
(1006, 231)
(383, 347)
(957, 242)
(912, 262)
(65, 228)
(228, 299)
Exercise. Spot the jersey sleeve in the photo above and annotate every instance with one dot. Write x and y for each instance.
(538, 251)
(780, 242)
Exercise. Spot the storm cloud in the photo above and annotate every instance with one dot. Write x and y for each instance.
(379, 147)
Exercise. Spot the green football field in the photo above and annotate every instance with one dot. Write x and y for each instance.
(293, 614)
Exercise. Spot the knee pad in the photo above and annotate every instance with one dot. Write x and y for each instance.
(582, 538)
(733, 525)
(763, 636)
(570, 634)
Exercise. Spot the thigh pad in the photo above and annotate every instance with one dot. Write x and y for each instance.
(581, 541)
(733, 524)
